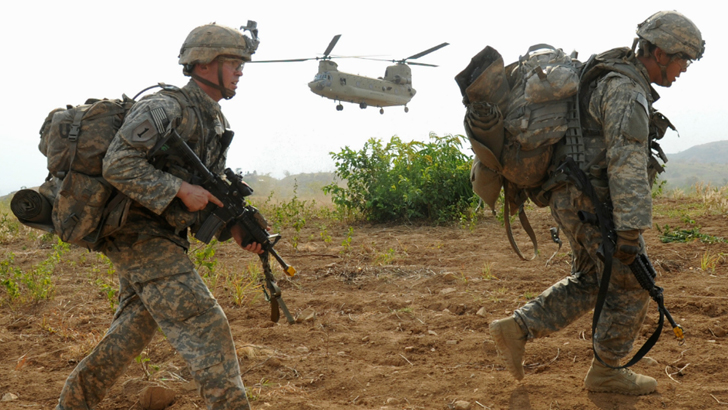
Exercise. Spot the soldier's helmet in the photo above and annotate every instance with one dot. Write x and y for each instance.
(205, 43)
(674, 33)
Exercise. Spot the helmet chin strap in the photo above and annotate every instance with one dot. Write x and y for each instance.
(663, 71)
(226, 92)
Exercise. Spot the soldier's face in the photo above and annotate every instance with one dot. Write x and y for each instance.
(676, 64)
(232, 70)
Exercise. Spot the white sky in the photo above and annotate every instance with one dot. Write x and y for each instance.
(57, 53)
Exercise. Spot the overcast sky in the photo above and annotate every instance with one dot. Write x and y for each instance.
(57, 53)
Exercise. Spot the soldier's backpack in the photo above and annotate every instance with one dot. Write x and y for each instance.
(515, 114)
(85, 207)
(74, 141)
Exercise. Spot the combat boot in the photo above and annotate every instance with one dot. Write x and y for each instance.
(601, 378)
(510, 342)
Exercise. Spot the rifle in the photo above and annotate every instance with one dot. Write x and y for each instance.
(641, 268)
(231, 191)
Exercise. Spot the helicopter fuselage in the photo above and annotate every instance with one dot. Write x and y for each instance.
(394, 89)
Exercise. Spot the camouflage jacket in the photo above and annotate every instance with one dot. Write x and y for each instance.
(619, 105)
(156, 211)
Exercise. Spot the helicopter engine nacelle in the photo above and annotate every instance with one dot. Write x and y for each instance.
(327, 65)
(399, 74)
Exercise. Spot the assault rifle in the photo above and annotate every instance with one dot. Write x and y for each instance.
(231, 191)
(641, 268)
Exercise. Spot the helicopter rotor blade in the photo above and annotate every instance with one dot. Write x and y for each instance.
(331, 45)
(422, 64)
(428, 51)
(373, 59)
(291, 60)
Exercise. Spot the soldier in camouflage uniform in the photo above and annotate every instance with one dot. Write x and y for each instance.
(618, 107)
(159, 286)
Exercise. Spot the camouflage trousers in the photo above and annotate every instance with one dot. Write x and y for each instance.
(564, 302)
(159, 287)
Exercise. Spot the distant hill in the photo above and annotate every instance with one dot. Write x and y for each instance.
(710, 153)
(705, 164)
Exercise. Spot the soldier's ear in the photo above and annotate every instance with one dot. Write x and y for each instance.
(202, 69)
(660, 55)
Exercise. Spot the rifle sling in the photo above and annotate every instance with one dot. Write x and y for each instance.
(586, 187)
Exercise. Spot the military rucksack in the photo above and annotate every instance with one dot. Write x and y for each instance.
(85, 208)
(515, 115)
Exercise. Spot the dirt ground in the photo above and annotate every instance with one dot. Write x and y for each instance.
(397, 321)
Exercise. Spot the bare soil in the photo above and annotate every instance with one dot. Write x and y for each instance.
(399, 321)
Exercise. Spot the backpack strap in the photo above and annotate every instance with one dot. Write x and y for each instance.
(186, 104)
(73, 137)
(524, 223)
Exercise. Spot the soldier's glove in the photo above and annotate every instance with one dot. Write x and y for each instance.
(628, 246)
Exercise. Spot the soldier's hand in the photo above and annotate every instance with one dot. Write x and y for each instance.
(239, 235)
(196, 197)
(628, 246)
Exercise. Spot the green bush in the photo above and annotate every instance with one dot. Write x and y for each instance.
(405, 180)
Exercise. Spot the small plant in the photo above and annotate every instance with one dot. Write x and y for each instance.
(387, 257)
(324, 234)
(487, 272)
(669, 234)
(204, 257)
(10, 277)
(658, 187)
(708, 261)
(107, 284)
(148, 368)
(9, 228)
(529, 295)
(346, 244)
(469, 218)
(246, 284)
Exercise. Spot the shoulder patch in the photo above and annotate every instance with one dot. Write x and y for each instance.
(143, 132)
(642, 100)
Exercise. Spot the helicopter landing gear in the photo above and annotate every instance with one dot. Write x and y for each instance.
(362, 105)
(381, 110)
(406, 109)
(339, 107)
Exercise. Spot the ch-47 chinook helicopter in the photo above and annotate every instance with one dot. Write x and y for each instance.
(395, 88)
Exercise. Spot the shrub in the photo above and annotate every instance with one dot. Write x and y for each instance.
(405, 180)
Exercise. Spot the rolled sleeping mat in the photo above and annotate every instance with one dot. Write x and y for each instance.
(30, 206)
(485, 123)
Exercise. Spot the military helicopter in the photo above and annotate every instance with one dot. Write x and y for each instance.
(394, 89)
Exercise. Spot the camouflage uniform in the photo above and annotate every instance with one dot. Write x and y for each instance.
(620, 106)
(159, 286)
